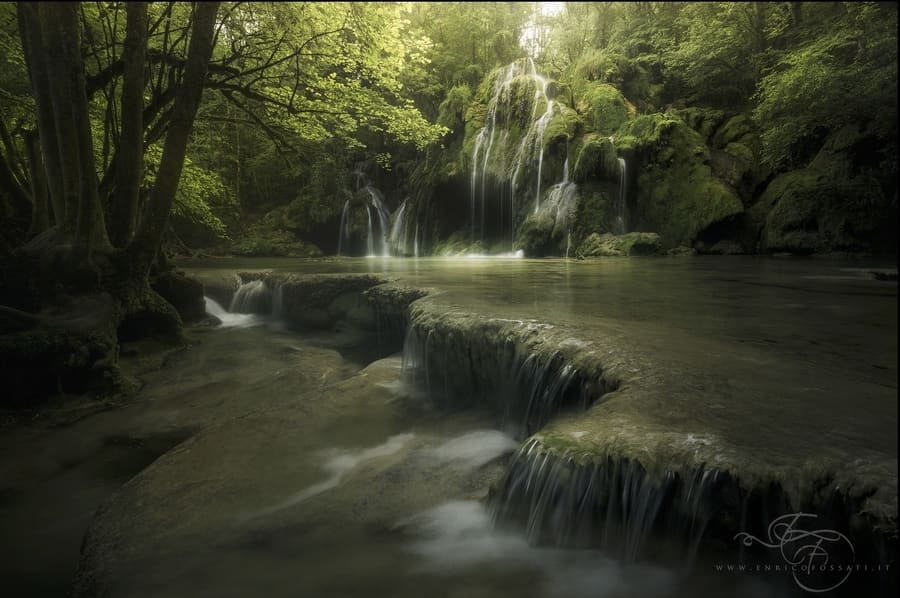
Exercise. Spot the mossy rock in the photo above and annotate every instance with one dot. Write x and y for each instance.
(562, 126)
(184, 293)
(459, 243)
(72, 350)
(703, 120)
(676, 192)
(604, 107)
(536, 236)
(609, 245)
(596, 159)
(813, 211)
(735, 164)
(737, 129)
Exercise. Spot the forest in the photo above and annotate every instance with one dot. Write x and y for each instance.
(133, 133)
(138, 139)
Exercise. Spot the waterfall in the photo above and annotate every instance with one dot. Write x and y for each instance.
(252, 301)
(562, 204)
(528, 153)
(620, 204)
(343, 233)
(398, 230)
(252, 297)
(370, 198)
(371, 240)
(416, 241)
(384, 216)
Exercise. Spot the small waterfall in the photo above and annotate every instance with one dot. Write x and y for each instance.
(416, 242)
(621, 227)
(562, 204)
(398, 230)
(371, 198)
(384, 216)
(252, 297)
(343, 233)
(254, 302)
(370, 238)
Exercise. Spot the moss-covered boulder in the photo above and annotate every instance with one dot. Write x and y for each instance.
(675, 192)
(812, 211)
(596, 159)
(833, 205)
(604, 107)
(609, 245)
(184, 293)
(536, 238)
(705, 121)
(70, 348)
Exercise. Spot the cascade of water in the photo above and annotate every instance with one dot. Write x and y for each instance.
(370, 240)
(384, 217)
(620, 204)
(399, 228)
(343, 233)
(561, 205)
(530, 149)
(416, 242)
(252, 297)
(278, 301)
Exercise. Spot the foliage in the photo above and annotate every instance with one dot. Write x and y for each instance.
(846, 73)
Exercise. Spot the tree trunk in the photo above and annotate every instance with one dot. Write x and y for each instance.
(36, 60)
(40, 219)
(130, 155)
(58, 59)
(187, 99)
(90, 229)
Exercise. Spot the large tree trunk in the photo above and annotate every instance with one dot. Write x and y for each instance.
(90, 229)
(40, 218)
(130, 155)
(59, 60)
(149, 236)
(36, 59)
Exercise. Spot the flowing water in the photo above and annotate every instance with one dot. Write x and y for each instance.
(308, 476)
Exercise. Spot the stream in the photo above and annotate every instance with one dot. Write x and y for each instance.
(266, 461)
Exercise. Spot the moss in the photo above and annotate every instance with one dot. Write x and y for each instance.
(37, 363)
(593, 211)
(703, 120)
(737, 129)
(813, 211)
(647, 133)
(561, 127)
(536, 236)
(676, 193)
(608, 245)
(459, 243)
(604, 107)
(596, 159)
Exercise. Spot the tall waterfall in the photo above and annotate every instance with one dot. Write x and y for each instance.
(343, 233)
(399, 239)
(512, 162)
(621, 227)
(370, 244)
(384, 217)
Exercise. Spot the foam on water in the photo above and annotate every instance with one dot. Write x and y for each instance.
(337, 463)
(458, 536)
(475, 448)
(228, 319)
